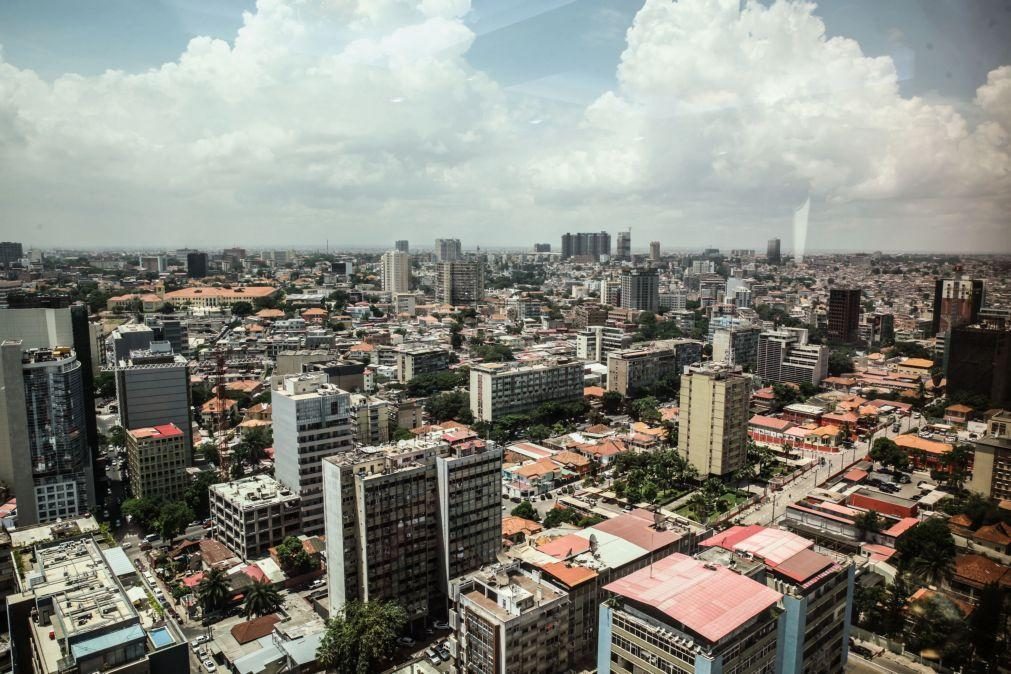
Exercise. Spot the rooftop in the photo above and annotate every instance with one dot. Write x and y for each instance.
(710, 600)
(254, 492)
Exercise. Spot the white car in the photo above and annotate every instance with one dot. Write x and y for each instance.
(202, 639)
(209, 665)
(127, 546)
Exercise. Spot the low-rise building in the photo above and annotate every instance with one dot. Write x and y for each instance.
(413, 360)
(630, 370)
(254, 514)
(596, 341)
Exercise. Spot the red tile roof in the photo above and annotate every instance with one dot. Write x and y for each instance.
(252, 630)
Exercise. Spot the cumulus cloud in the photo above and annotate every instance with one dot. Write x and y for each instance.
(361, 120)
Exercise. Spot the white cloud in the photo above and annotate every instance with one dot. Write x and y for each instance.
(360, 120)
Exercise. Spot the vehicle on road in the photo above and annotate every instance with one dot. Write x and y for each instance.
(862, 651)
(405, 641)
(209, 665)
(127, 546)
(202, 639)
(440, 625)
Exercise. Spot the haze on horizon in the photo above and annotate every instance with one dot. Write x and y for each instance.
(695, 123)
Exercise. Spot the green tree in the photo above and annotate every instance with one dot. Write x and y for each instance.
(927, 550)
(450, 405)
(105, 384)
(937, 630)
(957, 463)
(840, 361)
(143, 511)
(117, 436)
(557, 516)
(538, 432)
(887, 453)
(293, 558)
(646, 409)
(868, 523)
(360, 635)
(242, 309)
(173, 519)
(262, 598)
(984, 626)
(526, 511)
(213, 590)
(197, 496)
(612, 402)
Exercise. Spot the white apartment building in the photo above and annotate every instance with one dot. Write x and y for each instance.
(785, 356)
(311, 420)
(498, 389)
(594, 342)
(254, 514)
(396, 266)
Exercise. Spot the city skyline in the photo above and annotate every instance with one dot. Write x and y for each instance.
(205, 126)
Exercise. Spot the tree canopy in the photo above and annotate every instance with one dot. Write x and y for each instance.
(360, 635)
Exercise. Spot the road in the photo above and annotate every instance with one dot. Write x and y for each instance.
(835, 462)
(887, 662)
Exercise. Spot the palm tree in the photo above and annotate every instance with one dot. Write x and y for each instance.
(213, 590)
(262, 598)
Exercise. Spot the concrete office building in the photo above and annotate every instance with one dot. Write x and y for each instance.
(396, 272)
(509, 621)
(171, 330)
(448, 250)
(737, 346)
(675, 300)
(631, 370)
(414, 360)
(772, 255)
(623, 250)
(196, 265)
(991, 465)
(404, 519)
(402, 245)
(684, 616)
(346, 375)
(640, 289)
(784, 356)
(254, 514)
(817, 589)
(654, 250)
(153, 389)
(979, 362)
(596, 341)
(80, 608)
(587, 314)
(311, 421)
(458, 283)
(542, 247)
(157, 458)
(404, 303)
(714, 418)
(498, 389)
(742, 298)
(44, 452)
(370, 419)
(592, 245)
(10, 252)
(130, 337)
(844, 314)
(957, 302)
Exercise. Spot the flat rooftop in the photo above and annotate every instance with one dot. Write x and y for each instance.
(707, 599)
(254, 492)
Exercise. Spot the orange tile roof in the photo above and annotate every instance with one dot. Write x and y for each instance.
(570, 574)
(537, 468)
(512, 525)
(916, 442)
(978, 569)
(252, 630)
(593, 392)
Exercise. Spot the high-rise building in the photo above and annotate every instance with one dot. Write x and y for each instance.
(624, 247)
(10, 252)
(631, 370)
(402, 245)
(157, 458)
(153, 389)
(991, 464)
(654, 250)
(51, 321)
(817, 589)
(737, 346)
(587, 314)
(370, 419)
(640, 289)
(164, 328)
(459, 282)
(979, 362)
(843, 314)
(957, 301)
(772, 255)
(499, 389)
(403, 520)
(586, 244)
(396, 272)
(413, 360)
(196, 265)
(594, 342)
(130, 337)
(311, 421)
(447, 250)
(742, 298)
(510, 620)
(682, 615)
(713, 431)
(253, 514)
(675, 300)
(784, 356)
(542, 247)
(44, 452)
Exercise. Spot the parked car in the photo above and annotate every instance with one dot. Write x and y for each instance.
(202, 639)
(443, 654)
(862, 651)
(209, 665)
(405, 641)
(440, 625)
(127, 546)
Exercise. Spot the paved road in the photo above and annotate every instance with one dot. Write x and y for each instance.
(888, 662)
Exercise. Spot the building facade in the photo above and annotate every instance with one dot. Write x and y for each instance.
(713, 421)
(413, 360)
(311, 421)
(737, 346)
(637, 368)
(498, 389)
(459, 282)
(396, 272)
(844, 314)
(586, 245)
(623, 250)
(153, 389)
(957, 302)
(596, 341)
(157, 457)
(640, 289)
(979, 362)
(254, 514)
(448, 250)
(773, 255)
(784, 356)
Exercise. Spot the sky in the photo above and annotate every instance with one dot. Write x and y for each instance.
(293, 123)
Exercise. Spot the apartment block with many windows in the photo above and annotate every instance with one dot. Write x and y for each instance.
(254, 514)
(157, 459)
(630, 370)
(498, 389)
